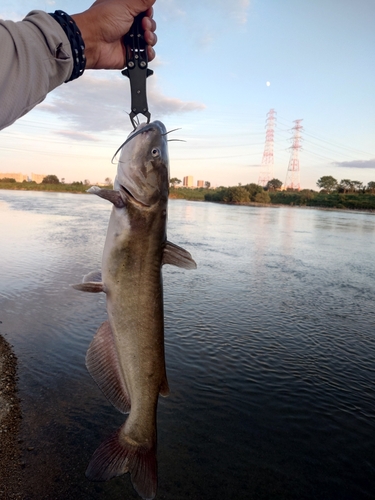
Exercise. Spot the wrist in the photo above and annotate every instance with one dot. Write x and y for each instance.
(83, 24)
(77, 44)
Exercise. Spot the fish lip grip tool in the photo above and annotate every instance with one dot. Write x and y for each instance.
(137, 69)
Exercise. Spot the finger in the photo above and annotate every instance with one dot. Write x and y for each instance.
(150, 38)
(150, 12)
(150, 53)
(148, 24)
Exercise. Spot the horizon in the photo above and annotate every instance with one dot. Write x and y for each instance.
(178, 185)
(306, 61)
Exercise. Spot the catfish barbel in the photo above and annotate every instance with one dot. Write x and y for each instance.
(126, 355)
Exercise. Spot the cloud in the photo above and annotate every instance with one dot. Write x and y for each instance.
(204, 23)
(11, 15)
(205, 41)
(18, 9)
(355, 164)
(94, 104)
(76, 136)
(241, 10)
(172, 8)
(236, 9)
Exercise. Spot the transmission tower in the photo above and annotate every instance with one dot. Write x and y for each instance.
(266, 170)
(292, 180)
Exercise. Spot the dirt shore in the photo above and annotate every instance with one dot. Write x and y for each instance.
(10, 418)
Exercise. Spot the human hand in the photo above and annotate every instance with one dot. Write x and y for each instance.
(104, 25)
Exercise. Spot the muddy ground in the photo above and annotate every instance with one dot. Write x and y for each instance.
(10, 419)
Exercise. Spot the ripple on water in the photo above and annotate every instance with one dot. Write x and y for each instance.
(269, 344)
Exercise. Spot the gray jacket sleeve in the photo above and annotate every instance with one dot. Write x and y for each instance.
(35, 58)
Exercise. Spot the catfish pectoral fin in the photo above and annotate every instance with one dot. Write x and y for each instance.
(177, 256)
(103, 365)
(90, 286)
(116, 455)
(108, 194)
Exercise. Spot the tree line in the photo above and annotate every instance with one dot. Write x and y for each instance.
(344, 194)
(249, 193)
(51, 183)
(329, 185)
(333, 194)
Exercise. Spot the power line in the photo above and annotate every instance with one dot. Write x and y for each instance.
(332, 143)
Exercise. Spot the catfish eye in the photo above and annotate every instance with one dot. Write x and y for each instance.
(155, 152)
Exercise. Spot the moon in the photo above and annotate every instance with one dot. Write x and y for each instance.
(268, 84)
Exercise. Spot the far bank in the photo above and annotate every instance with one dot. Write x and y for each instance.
(250, 194)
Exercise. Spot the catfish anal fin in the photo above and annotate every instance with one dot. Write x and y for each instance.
(177, 256)
(103, 365)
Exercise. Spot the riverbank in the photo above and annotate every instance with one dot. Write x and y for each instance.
(238, 195)
(303, 198)
(10, 418)
(78, 187)
(305, 207)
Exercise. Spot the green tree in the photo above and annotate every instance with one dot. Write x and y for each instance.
(328, 183)
(50, 179)
(218, 194)
(262, 197)
(237, 194)
(371, 187)
(273, 185)
(346, 186)
(7, 179)
(174, 181)
(207, 184)
(253, 190)
(358, 186)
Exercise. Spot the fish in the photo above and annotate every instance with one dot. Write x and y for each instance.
(126, 356)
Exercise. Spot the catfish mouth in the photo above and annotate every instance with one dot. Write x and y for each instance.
(132, 198)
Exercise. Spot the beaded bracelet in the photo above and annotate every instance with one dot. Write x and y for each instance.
(76, 42)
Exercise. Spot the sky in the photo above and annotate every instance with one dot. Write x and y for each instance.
(214, 59)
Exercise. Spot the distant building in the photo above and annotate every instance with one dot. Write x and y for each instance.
(37, 177)
(17, 177)
(200, 184)
(188, 181)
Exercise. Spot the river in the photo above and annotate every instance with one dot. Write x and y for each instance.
(270, 350)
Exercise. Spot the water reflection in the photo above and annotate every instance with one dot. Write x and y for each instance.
(270, 350)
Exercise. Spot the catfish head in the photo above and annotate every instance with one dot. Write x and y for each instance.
(143, 167)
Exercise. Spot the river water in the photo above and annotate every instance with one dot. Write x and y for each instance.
(270, 349)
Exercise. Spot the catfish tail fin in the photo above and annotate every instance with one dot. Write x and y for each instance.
(119, 454)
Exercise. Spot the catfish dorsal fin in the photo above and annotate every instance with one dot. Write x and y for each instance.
(103, 365)
(177, 256)
(108, 194)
